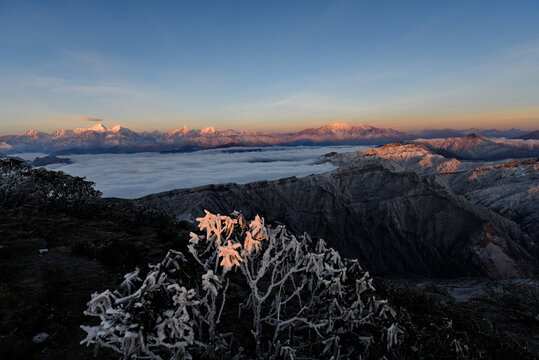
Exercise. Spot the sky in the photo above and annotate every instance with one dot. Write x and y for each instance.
(268, 65)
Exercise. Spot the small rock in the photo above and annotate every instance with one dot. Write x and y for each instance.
(43, 251)
(39, 338)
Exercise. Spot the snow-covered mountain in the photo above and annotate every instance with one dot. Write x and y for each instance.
(509, 188)
(100, 138)
(346, 131)
(119, 139)
(478, 147)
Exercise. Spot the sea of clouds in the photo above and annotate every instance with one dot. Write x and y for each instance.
(135, 175)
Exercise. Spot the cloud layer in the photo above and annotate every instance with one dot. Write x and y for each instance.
(136, 175)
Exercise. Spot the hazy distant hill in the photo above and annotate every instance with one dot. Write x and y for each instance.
(495, 133)
(534, 135)
(477, 147)
(448, 133)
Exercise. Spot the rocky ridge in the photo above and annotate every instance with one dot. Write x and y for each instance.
(509, 188)
(396, 223)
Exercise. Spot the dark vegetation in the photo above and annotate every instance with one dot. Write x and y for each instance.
(91, 242)
(500, 322)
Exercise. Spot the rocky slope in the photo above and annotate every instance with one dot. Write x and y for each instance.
(510, 188)
(395, 223)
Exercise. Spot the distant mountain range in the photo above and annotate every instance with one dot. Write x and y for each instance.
(534, 135)
(477, 147)
(119, 139)
(448, 133)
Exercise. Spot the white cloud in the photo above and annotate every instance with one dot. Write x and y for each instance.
(135, 175)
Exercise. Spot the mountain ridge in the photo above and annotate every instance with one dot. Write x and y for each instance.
(375, 214)
(534, 135)
(507, 187)
(101, 139)
(477, 147)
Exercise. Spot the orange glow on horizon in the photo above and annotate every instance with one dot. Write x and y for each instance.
(524, 119)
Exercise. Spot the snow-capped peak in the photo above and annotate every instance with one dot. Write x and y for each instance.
(340, 126)
(98, 128)
(344, 128)
(62, 133)
(208, 130)
(184, 130)
(117, 128)
(398, 151)
(32, 133)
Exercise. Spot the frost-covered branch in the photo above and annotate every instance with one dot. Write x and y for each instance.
(292, 297)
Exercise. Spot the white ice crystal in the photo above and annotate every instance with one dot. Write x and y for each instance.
(194, 238)
(294, 291)
(211, 282)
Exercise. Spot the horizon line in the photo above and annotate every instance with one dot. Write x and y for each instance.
(351, 124)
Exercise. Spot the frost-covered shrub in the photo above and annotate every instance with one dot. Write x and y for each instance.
(160, 317)
(21, 184)
(244, 290)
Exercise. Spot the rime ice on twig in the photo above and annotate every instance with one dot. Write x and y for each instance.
(302, 297)
(231, 256)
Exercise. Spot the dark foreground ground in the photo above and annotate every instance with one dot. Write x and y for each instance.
(90, 248)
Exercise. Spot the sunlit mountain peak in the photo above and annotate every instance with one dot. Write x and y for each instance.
(99, 128)
(33, 133)
(208, 130)
(339, 126)
(117, 128)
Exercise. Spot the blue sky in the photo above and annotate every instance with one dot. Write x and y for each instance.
(269, 65)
